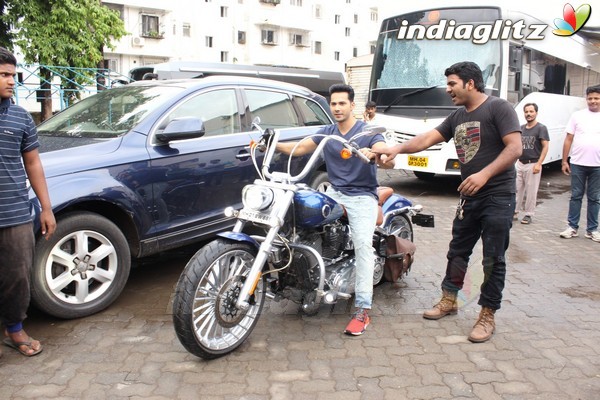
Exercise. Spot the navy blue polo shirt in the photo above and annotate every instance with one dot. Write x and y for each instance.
(17, 135)
(352, 177)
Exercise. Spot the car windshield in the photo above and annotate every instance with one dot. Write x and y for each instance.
(107, 114)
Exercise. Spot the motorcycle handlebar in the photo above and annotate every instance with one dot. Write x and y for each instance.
(351, 145)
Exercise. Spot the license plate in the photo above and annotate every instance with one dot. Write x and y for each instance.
(414, 161)
(254, 216)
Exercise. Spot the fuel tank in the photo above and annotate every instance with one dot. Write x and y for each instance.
(313, 208)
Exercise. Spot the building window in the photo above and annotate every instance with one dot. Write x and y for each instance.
(296, 39)
(174, 29)
(296, 3)
(241, 37)
(354, 52)
(224, 56)
(317, 48)
(186, 29)
(223, 12)
(208, 41)
(336, 55)
(150, 26)
(318, 11)
(373, 46)
(113, 64)
(348, 1)
(337, 19)
(356, 18)
(118, 8)
(347, 31)
(268, 36)
(374, 15)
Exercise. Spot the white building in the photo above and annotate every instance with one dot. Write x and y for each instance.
(318, 34)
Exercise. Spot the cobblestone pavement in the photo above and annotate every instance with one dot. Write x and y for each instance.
(545, 345)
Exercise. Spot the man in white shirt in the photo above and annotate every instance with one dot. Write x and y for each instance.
(583, 144)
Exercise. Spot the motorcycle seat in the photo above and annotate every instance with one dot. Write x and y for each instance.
(384, 193)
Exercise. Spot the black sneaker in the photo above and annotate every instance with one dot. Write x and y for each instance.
(526, 220)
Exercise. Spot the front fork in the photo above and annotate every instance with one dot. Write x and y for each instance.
(263, 251)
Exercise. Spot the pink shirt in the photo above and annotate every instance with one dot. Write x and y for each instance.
(584, 125)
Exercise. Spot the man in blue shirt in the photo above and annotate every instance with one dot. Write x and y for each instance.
(354, 185)
(19, 161)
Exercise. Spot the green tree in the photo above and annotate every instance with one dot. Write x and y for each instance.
(61, 32)
(6, 36)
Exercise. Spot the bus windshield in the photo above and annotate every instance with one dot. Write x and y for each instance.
(410, 72)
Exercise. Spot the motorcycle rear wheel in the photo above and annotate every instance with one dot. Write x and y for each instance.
(400, 226)
(205, 318)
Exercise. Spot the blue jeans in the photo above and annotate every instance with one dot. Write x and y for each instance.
(584, 180)
(362, 216)
(488, 218)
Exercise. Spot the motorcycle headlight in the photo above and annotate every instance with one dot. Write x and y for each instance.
(257, 197)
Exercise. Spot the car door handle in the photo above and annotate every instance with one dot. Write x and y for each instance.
(242, 154)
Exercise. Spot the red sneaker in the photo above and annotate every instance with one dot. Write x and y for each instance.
(359, 322)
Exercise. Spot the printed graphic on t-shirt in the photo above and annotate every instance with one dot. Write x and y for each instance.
(467, 138)
(529, 142)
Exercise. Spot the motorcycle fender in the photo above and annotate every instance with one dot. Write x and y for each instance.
(395, 202)
(239, 237)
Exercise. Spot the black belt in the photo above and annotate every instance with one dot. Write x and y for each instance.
(531, 160)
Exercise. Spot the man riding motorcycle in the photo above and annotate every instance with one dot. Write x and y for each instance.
(354, 185)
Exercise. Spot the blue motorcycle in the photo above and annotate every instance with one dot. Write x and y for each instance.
(303, 252)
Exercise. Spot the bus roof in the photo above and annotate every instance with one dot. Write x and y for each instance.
(581, 48)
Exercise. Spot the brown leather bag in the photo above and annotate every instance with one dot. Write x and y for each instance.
(400, 256)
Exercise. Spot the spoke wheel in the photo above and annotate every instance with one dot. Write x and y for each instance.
(378, 271)
(400, 226)
(206, 320)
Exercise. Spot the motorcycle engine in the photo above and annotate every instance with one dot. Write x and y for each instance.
(302, 276)
(336, 237)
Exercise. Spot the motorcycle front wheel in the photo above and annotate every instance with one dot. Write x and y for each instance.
(206, 320)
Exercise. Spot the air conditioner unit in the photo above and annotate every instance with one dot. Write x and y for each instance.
(137, 41)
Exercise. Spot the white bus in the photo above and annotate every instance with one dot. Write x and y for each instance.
(521, 59)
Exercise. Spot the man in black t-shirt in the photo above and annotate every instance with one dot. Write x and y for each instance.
(487, 136)
(529, 167)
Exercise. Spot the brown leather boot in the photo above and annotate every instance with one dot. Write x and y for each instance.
(484, 327)
(447, 305)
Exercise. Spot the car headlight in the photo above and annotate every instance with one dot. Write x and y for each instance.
(257, 197)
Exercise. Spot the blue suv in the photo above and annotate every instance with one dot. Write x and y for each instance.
(136, 170)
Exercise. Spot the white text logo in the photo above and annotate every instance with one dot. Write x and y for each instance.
(480, 34)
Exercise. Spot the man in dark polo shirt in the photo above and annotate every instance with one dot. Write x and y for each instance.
(19, 161)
